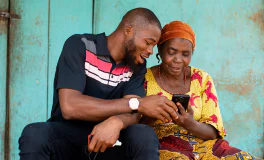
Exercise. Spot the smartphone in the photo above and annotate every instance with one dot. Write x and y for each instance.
(181, 98)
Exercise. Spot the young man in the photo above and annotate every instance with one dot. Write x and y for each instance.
(97, 88)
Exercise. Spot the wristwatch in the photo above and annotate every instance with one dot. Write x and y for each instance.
(133, 104)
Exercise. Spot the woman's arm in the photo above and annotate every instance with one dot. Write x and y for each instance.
(198, 129)
(210, 126)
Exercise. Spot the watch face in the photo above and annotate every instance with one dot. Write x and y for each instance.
(133, 103)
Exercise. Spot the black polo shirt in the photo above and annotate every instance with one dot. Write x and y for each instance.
(86, 65)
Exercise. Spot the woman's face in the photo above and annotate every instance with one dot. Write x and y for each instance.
(176, 54)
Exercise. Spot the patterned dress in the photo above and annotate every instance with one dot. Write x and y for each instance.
(178, 143)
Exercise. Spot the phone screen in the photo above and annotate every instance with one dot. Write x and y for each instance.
(181, 98)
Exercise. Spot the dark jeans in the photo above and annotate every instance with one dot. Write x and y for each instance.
(60, 141)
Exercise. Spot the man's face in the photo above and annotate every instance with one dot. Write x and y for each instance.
(139, 46)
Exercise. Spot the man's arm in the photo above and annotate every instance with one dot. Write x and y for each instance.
(76, 106)
(129, 119)
(107, 132)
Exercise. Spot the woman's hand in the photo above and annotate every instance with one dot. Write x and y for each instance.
(185, 119)
(200, 130)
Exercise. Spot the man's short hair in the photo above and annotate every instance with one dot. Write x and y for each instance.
(140, 18)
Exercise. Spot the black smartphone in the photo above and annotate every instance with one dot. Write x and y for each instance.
(181, 98)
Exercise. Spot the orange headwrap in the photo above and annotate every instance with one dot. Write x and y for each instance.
(177, 29)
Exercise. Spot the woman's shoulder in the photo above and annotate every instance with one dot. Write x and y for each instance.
(150, 74)
(197, 71)
(202, 76)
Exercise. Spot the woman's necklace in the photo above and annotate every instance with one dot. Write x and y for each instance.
(167, 90)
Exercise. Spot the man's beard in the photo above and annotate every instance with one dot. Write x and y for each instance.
(130, 50)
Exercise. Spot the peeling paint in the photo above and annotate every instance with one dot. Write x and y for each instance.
(239, 89)
(228, 31)
(38, 21)
(3, 25)
(251, 116)
(34, 40)
(18, 58)
(258, 19)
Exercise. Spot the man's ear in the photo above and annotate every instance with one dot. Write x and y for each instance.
(129, 31)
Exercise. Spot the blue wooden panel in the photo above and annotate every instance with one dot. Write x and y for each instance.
(28, 65)
(229, 47)
(66, 18)
(3, 64)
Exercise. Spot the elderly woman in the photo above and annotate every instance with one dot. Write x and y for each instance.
(198, 132)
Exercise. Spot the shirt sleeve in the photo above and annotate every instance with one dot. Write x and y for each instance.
(70, 68)
(210, 110)
(135, 86)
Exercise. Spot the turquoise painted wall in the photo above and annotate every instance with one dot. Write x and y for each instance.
(28, 68)
(3, 65)
(229, 47)
(36, 41)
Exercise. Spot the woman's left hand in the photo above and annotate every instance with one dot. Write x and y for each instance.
(185, 119)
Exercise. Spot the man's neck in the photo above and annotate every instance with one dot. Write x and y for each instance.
(115, 46)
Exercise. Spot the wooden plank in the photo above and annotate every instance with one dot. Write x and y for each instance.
(66, 18)
(229, 47)
(28, 65)
(3, 65)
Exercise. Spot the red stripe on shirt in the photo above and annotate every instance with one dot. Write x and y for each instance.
(100, 64)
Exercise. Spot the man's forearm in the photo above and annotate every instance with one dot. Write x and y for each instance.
(128, 119)
(147, 120)
(76, 106)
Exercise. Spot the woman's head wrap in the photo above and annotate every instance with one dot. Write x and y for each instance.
(177, 29)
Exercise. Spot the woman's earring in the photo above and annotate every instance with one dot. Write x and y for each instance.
(157, 56)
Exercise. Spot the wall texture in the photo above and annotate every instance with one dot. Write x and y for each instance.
(35, 43)
(3, 67)
(230, 47)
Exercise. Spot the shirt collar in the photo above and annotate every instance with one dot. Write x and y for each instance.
(101, 45)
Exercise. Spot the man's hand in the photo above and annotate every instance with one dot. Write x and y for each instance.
(105, 134)
(158, 107)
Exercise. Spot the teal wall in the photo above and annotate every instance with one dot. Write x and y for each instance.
(35, 43)
(28, 41)
(3, 67)
(229, 47)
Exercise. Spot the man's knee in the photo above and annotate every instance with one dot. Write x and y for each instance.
(142, 134)
(35, 137)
